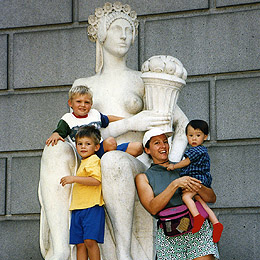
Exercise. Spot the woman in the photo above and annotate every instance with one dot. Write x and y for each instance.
(159, 189)
(119, 91)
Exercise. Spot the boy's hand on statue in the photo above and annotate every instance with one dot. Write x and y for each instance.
(170, 167)
(66, 180)
(147, 119)
(53, 139)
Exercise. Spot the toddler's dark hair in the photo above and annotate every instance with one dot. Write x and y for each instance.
(89, 131)
(198, 124)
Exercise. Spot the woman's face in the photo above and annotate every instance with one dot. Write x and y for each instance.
(159, 148)
(119, 38)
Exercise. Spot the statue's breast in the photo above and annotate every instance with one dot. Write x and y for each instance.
(133, 103)
(118, 103)
(118, 94)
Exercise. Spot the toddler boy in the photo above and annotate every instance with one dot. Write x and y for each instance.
(197, 165)
(88, 216)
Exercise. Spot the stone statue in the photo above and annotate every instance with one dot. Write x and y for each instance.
(117, 90)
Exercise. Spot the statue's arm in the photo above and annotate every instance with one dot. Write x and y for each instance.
(179, 141)
(142, 121)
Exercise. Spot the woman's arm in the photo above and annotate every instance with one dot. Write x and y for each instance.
(207, 194)
(154, 204)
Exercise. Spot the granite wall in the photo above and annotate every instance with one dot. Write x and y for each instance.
(44, 48)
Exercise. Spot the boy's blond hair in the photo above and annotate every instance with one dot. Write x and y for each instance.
(81, 90)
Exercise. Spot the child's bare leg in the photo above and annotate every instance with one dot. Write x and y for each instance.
(93, 249)
(135, 149)
(187, 198)
(82, 253)
(212, 217)
(109, 144)
(217, 226)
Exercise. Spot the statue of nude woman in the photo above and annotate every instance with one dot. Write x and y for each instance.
(119, 91)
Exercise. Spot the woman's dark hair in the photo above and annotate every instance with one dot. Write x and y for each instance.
(147, 145)
(198, 124)
(89, 131)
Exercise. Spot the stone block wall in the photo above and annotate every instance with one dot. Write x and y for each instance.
(44, 48)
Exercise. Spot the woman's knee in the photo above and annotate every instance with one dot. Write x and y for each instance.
(206, 257)
(109, 144)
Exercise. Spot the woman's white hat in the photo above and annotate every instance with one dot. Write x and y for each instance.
(154, 132)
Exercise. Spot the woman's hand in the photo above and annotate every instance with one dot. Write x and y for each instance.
(191, 184)
(188, 184)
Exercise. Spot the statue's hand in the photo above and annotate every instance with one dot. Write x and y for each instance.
(147, 119)
(140, 122)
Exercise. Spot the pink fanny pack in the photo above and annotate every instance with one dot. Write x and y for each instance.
(178, 220)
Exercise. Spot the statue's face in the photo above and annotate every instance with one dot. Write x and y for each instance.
(119, 38)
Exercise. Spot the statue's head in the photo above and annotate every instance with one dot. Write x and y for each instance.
(104, 17)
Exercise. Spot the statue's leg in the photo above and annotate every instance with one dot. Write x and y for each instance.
(57, 161)
(44, 229)
(108, 250)
(118, 187)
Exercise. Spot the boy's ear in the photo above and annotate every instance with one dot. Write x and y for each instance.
(205, 137)
(97, 147)
(69, 103)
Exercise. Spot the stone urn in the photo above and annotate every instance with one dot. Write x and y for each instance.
(163, 77)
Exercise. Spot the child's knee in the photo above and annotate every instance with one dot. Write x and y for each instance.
(90, 243)
(139, 148)
(135, 149)
(187, 196)
(109, 144)
(81, 248)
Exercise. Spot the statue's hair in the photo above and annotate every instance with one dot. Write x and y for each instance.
(82, 90)
(104, 16)
(106, 21)
(89, 131)
(100, 22)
